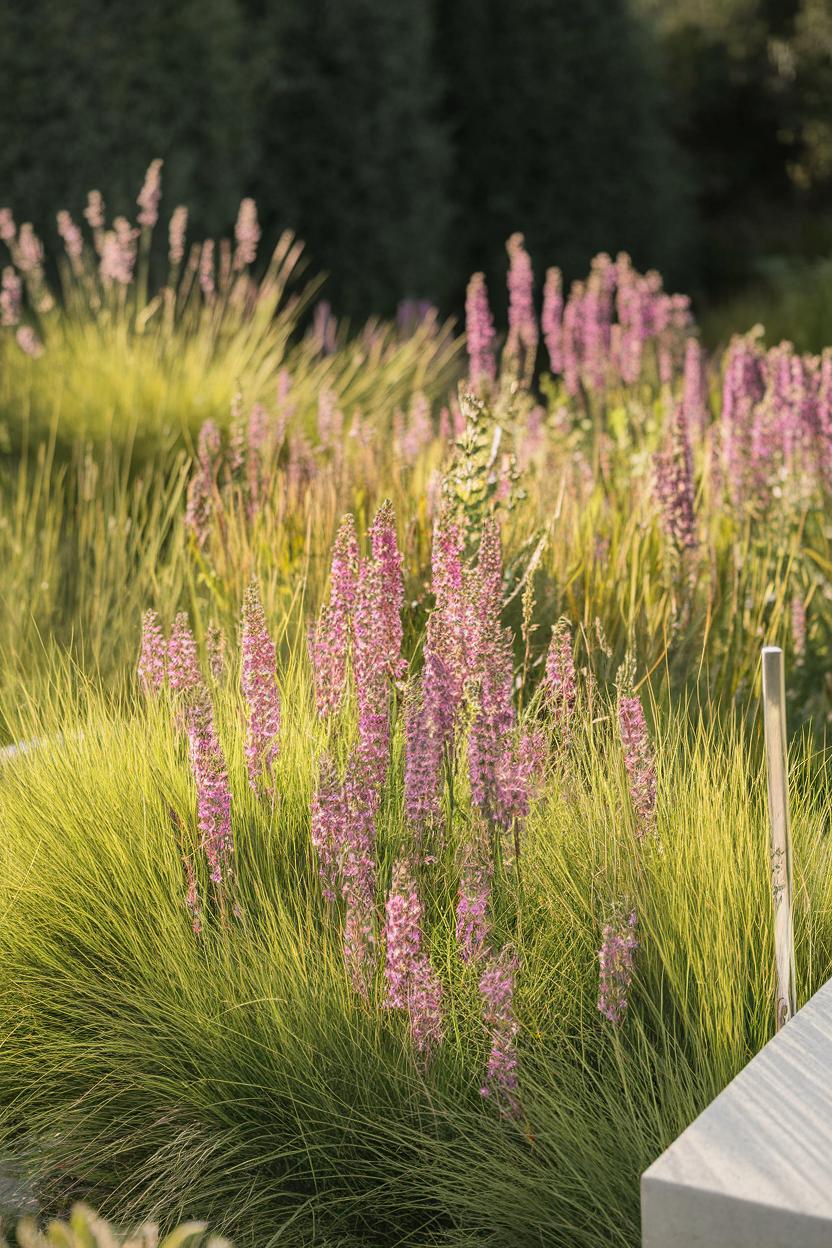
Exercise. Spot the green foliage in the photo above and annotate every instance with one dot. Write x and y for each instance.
(350, 149)
(90, 93)
(237, 1078)
(749, 82)
(558, 127)
(367, 127)
(85, 1229)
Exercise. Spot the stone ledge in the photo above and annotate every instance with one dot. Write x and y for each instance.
(755, 1169)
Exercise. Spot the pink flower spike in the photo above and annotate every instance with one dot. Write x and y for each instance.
(638, 759)
(497, 991)
(176, 234)
(472, 922)
(522, 321)
(211, 778)
(183, 664)
(552, 319)
(153, 656)
(259, 689)
(616, 958)
(149, 195)
(247, 234)
(479, 330)
(411, 981)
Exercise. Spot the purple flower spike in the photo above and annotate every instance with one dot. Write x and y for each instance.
(176, 234)
(153, 655)
(259, 689)
(412, 984)
(552, 318)
(472, 922)
(149, 195)
(183, 664)
(616, 958)
(330, 638)
(497, 991)
(211, 778)
(638, 759)
(521, 344)
(559, 684)
(247, 234)
(479, 330)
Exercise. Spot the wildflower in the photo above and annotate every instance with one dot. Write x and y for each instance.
(329, 641)
(328, 827)
(183, 665)
(419, 432)
(522, 322)
(176, 234)
(616, 957)
(118, 253)
(29, 250)
(572, 338)
(149, 195)
(211, 779)
(741, 391)
(402, 935)
(259, 688)
(559, 683)
(485, 593)
(357, 873)
(206, 268)
(371, 656)
(29, 342)
(497, 992)
(693, 386)
(448, 628)
(596, 319)
(412, 984)
(11, 297)
(386, 554)
(8, 230)
(479, 330)
(674, 485)
(247, 234)
(639, 762)
(472, 923)
(201, 487)
(487, 740)
(425, 1006)
(429, 728)
(153, 655)
(94, 211)
(552, 319)
(215, 645)
(72, 238)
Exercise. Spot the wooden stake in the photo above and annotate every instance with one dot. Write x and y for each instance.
(774, 719)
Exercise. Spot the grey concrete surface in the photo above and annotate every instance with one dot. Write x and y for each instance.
(755, 1169)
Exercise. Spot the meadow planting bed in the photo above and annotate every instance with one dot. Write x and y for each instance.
(396, 870)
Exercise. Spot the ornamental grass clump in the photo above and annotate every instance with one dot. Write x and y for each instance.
(338, 945)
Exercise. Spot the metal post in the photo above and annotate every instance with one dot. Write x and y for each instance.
(774, 719)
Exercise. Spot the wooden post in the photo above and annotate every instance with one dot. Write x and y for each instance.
(774, 719)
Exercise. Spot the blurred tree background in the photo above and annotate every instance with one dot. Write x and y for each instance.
(405, 139)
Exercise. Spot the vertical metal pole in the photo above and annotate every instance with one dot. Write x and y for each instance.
(774, 719)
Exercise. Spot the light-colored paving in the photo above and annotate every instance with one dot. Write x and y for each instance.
(755, 1169)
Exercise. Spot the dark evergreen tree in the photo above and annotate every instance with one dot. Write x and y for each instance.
(558, 132)
(90, 93)
(351, 153)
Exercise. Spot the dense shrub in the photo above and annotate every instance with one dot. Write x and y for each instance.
(557, 131)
